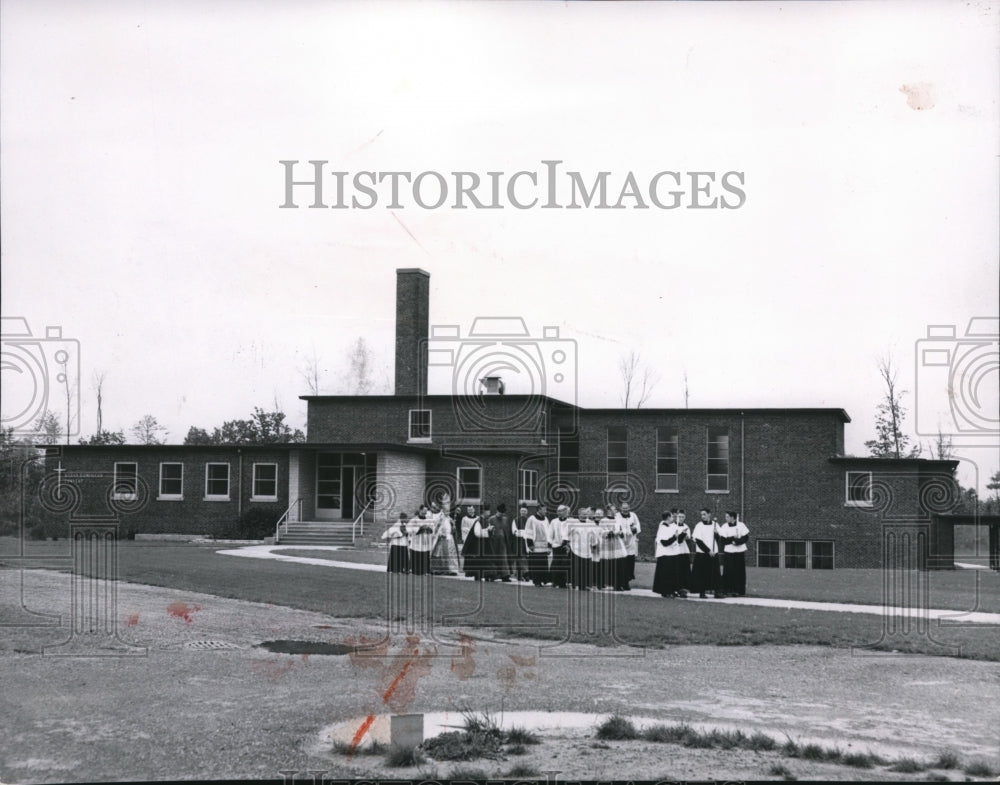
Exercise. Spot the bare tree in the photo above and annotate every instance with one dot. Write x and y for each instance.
(64, 377)
(942, 449)
(638, 380)
(99, 389)
(361, 360)
(685, 388)
(890, 441)
(310, 372)
(147, 430)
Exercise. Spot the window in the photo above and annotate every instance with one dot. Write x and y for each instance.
(569, 452)
(265, 482)
(718, 460)
(171, 481)
(617, 455)
(420, 425)
(126, 482)
(527, 486)
(470, 485)
(795, 555)
(217, 481)
(666, 459)
(768, 553)
(822, 556)
(859, 489)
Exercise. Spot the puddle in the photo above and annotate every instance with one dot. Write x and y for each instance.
(306, 647)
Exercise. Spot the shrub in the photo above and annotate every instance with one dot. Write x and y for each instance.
(668, 734)
(463, 745)
(400, 757)
(859, 760)
(979, 768)
(790, 749)
(813, 752)
(781, 770)
(618, 728)
(946, 759)
(520, 770)
(255, 524)
(374, 748)
(481, 722)
(907, 766)
(697, 740)
(760, 742)
(522, 736)
(727, 740)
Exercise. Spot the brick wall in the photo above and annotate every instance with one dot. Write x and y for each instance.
(400, 484)
(412, 320)
(90, 470)
(467, 421)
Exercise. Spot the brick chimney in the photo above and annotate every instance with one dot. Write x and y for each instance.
(413, 288)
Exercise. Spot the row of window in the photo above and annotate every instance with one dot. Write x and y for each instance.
(171, 481)
(667, 458)
(795, 554)
(667, 453)
(470, 484)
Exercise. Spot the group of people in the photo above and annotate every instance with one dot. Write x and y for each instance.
(709, 558)
(424, 544)
(594, 550)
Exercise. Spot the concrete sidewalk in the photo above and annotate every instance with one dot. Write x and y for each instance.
(945, 617)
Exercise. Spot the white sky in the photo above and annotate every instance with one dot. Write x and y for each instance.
(140, 190)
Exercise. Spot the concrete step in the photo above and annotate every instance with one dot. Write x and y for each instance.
(320, 533)
(323, 524)
(320, 539)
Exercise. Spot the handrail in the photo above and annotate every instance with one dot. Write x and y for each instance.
(285, 518)
(355, 524)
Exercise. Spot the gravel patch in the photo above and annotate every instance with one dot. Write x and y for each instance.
(196, 696)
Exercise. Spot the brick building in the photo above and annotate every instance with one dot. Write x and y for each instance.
(368, 457)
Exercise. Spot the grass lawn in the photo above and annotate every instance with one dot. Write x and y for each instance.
(959, 590)
(544, 613)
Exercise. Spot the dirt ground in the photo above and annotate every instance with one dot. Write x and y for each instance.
(200, 699)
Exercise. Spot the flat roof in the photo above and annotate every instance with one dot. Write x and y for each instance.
(871, 460)
(840, 412)
(251, 447)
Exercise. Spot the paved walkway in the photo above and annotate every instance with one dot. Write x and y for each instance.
(946, 617)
